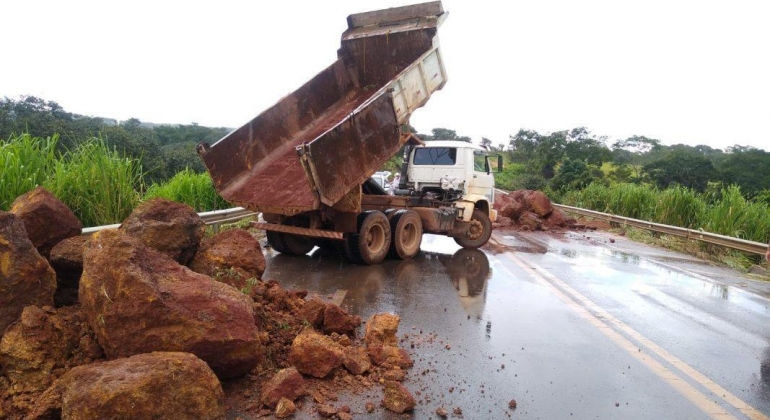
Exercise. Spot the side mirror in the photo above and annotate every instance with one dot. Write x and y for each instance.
(499, 163)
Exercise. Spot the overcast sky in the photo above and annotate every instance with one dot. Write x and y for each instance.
(693, 72)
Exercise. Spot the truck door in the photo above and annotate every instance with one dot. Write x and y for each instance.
(482, 181)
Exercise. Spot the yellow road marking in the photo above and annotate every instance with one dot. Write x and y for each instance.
(695, 375)
(339, 296)
(703, 402)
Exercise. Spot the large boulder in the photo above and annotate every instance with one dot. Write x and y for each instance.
(287, 383)
(44, 340)
(513, 210)
(555, 220)
(232, 257)
(47, 220)
(138, 300)
(530, 221)
(67, 260)
(159, 385)
(167, 226)
(539, 203)
(25, 276)
(315, 354)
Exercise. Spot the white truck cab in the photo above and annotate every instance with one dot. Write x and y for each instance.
(456, 170)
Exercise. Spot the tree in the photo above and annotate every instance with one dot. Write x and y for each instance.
(575, 175)
(635, 151)
(682, 167)
(444, 134)
(747, 167)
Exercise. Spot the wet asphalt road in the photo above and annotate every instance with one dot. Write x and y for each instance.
(570, 327)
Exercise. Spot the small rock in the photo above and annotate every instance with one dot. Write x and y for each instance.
(441, 412)
(339, 321)
(457, 411)
(286, 384)
(344, 416)
(313, 312)
(397, 375)
(512, 404)
(285, 408)
(370, 406)
(356, 360)
(397, 398)
(326, 410)
(315, 354)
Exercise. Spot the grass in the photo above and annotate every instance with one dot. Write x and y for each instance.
(25, 162)
(726, 212)
(193, 189)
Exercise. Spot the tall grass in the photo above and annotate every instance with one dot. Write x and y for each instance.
(193, 189)
(98, 183)
(727, 213)
(25, 162)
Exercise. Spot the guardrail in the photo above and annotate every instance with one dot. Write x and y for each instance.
(213, 218)
(712, 238)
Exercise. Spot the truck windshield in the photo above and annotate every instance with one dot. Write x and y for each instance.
(480, 163)
(435, 156)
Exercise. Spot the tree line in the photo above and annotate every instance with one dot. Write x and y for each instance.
(163, 150)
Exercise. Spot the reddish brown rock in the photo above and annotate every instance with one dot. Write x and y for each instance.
(513, 210)
(397, 375)
(67, 260)
(161, 385)
(356, 360)
(530, 221)
(381, 330)
(555, 220)
(286, 384)
(233, 250)
(539, 203)
(326, 411)
(129, 287)
(167, 226)
(41, 341)
(25, 276)
(504, 222)
(370, 407)
(313, 312)
(47, 220)
(285, 408)
(389, 356)
(315, 354)
(337, 320)
(397, 398)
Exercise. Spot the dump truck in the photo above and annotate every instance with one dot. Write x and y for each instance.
(305, 163)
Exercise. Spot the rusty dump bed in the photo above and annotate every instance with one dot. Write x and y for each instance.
(327, 137)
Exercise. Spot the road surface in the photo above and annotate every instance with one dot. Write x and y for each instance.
(572, 326)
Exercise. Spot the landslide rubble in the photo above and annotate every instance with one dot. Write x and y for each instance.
(529, 210)
(138, 334)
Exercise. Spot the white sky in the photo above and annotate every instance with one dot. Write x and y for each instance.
(693, 72)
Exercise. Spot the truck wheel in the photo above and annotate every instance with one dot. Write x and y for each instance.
(406, 230)
(479, 231)
(297, 245)
(372, 242)
(275, 240)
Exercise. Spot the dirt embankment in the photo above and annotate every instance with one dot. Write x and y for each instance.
(88, 321)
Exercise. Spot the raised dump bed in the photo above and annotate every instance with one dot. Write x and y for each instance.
(322, 141)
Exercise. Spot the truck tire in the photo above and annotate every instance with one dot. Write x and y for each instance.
(297, 245)
(275, 239)
(372, 242)
(478, 232)
(406, 234)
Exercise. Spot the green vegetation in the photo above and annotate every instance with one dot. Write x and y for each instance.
(725, 211)
(97, 183)
(193, 189)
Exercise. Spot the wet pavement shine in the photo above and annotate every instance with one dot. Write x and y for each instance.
(569, 326)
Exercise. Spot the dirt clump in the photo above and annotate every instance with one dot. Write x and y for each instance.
(67, 260)
(172, 228)
(47, 220)
(356, 360)
(528, 210)
(285, 408)
(286, 384)
(152, 385)
(382, 343)
(233, 257)
(128, 286)
(26, 278)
